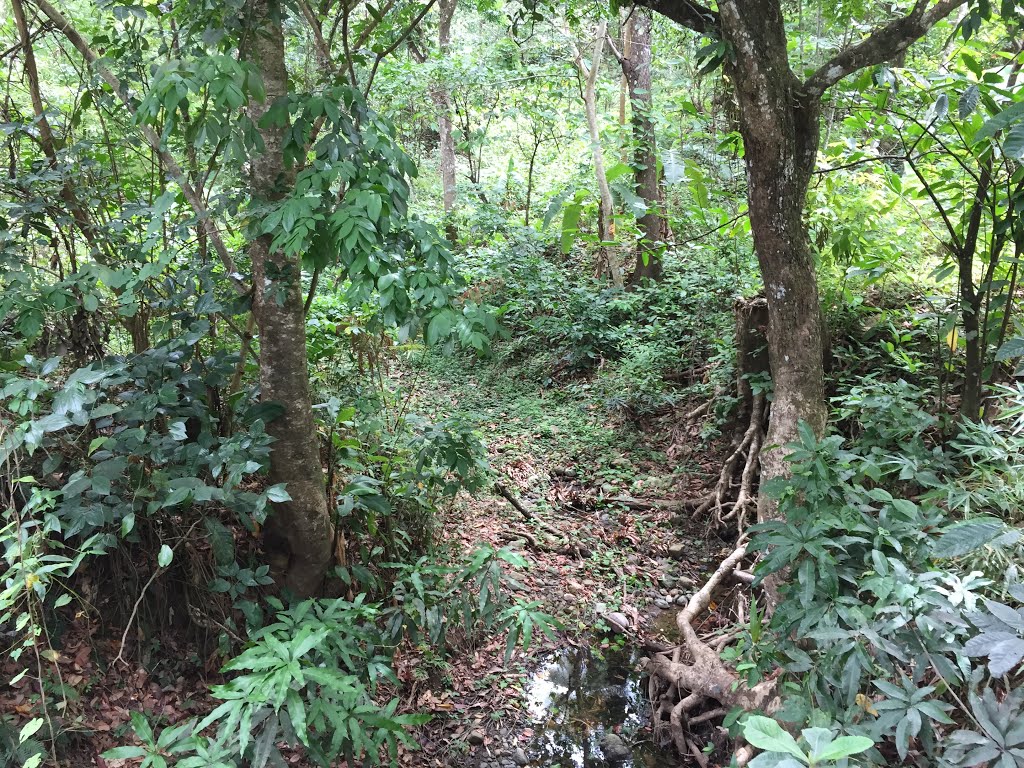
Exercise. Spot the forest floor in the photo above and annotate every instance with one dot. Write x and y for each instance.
(599, 536)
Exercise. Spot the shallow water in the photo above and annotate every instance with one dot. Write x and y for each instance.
(577, 696)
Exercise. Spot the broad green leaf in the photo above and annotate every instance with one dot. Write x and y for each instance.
(968, 101)
(29, 729)
(1004, 119)
(278, 494)
(961, 538)
(845, 746)
(124, 753)
(764, 733)
(1013, 145)
(166, 555)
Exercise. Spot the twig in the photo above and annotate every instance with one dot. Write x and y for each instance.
(518, 505)
(142, 594)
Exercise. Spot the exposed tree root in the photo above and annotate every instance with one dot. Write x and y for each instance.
(742, 461)
(693, 675)
(561, 547)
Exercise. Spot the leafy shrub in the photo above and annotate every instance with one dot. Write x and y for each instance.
(319, 676)
(876, 624)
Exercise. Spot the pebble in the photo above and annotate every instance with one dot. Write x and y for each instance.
(617, 621)
(684, 581)
(677, 551)
(520, 758)
(614, 748)
(682, 599)
(476, 738)
(661, 603)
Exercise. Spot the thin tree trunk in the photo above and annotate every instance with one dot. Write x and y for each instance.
(970, 301)
(606, 261)
(442, 102)
(636, 67)
(301, 526)
(137, 325)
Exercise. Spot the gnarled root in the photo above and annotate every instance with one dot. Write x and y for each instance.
(694, 675)
(742, 465)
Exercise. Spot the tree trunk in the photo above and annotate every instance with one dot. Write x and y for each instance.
(606, 261)
(300, 527)
(636, 66)
(780, 129)
(970, 300)
(442, 102)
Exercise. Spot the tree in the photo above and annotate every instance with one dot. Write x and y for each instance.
(302, 524)
(635, 59)
(442, 101)
(779, 116)
(606, 262)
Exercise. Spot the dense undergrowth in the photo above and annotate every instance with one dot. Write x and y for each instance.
(896, 626)
(164, 223)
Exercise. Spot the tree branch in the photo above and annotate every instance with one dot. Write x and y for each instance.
(881, 45)
(175, 171)
(686, 14)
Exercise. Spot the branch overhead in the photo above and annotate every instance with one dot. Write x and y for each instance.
(687, 14)
(881, 45)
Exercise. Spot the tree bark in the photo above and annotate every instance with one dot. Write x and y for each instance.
(606, 261)
(442, 102)
(636, 67)
(780, 125)
(301, 526)
(780, 130)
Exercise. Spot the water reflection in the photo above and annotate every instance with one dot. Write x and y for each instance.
(587, 703)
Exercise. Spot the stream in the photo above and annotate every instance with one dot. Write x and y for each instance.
(590, 710)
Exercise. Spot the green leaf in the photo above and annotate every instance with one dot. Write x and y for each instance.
(439, 327)
(968, 101)
(961, 538)
(166, 555)
(845, 746)
(29, 729)
(570, 225)
(1004, 119)
(1013, 146)
(1011, 349)
(124, 753)
(278, 494)
(764, 733)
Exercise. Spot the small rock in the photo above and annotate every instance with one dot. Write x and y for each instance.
(682, 599)
(569, 597)
(520, 758)
(673, 591)
(661, 603)
(619, 622)
(615, 749)
(476, 737)
(667, 581)
(677, 551)
(684, 581)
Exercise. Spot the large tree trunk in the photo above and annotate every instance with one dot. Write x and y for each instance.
(442, 102)
(780, 129)
(301, 526)
(636, 66)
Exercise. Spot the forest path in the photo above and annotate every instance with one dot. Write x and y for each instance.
(569, 464)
